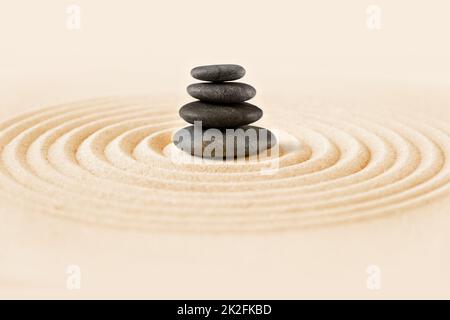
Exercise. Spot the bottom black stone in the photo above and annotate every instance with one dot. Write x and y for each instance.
(224, 143)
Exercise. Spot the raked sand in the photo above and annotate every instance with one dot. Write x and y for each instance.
(98, 184)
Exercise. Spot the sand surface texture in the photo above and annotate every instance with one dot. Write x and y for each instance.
(103, 161)
(102, 173)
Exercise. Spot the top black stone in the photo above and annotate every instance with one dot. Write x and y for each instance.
(218, 72)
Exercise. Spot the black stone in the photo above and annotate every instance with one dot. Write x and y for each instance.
(228, 92)
(212, 143)
(220, 115)
(218, 72)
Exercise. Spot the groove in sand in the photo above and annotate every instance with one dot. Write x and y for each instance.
(105, 161)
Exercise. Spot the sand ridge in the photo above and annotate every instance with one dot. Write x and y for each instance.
(105, 161)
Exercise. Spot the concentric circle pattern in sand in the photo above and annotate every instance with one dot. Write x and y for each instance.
(110, 162)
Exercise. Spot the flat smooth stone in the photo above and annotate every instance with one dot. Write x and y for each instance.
(218, 72)
(227, 92)
(220, 115)
(212, 143)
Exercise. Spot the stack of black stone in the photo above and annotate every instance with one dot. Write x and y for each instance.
(221, 105)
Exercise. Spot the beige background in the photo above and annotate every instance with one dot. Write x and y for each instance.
(291, 49)
(149, 46)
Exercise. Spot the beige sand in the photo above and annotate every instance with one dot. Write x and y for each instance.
(91, 183)
(86, 178)
(104, 158)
